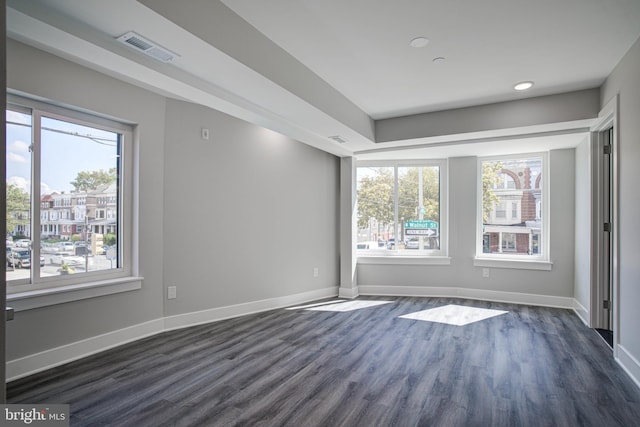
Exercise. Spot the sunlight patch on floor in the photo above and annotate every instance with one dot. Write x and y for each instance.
(452, 314)
(348, 305)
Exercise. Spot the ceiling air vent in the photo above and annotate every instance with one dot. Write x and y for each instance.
(338, 139)
(146, 46)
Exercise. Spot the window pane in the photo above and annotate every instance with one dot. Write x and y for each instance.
(18, 181)
(511, 206)
(419, 207)
(79, 198)
(375, 187)
(413, 223)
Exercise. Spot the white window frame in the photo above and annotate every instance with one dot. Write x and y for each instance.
(418, 256)
(43, 291)
(540, 261)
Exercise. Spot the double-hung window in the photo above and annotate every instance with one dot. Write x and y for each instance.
(401, 208)
(65, 170)
(513, 208)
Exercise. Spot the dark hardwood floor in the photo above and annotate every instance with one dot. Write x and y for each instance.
(533, 366)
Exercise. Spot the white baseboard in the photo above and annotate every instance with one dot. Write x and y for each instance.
(47, 359)
(581, 311)
(629, 363)
(479, 294)
(221, 313)
(349, 293)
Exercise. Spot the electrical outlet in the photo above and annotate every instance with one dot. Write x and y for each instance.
(485, 272)
(171, 292)
(316, 272)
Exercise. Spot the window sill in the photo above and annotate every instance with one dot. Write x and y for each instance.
(513, 263)
(28, 300)
(404, 260)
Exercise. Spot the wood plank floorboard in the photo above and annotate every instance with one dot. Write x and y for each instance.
(533, 366)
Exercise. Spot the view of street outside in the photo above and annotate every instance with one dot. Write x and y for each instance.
(398, 208)
(53, 264)
(77, 196)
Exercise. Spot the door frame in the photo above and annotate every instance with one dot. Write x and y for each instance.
(3, 195)
(607, 119)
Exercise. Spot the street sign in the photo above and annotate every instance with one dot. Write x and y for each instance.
(419, 232)
(421, 224)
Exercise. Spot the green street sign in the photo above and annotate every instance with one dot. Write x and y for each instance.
(421, 224)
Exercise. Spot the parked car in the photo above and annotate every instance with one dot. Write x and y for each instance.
(22, 243)
(412, 244)
(66, 246)
(21, 258)
(71, 260)
(366, 245)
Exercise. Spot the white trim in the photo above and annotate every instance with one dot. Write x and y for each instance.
(47, 359)
(350, 293)
(230, 311)
(630, 364)
(127, 205)
(545, 249)
(404, 260)
(477, 294)
(516, 264)
(61, 294)
(581, 311)
(443, 182)
(607, 117)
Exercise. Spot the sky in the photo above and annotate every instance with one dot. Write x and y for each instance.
(66, 150)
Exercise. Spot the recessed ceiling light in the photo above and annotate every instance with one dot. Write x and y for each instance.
(419, 42)
(438, 60)
(523, 86)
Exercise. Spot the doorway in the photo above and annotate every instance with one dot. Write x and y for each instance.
(605, 327)
(604, 295)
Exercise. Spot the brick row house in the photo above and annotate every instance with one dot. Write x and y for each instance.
(63, 215)
(514, 224)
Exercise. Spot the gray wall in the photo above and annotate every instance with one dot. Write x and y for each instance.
(582, 275)
(625, 81)
(541, 110)
(462, 213)
(37, 73)
(248, 214)
(244, 216)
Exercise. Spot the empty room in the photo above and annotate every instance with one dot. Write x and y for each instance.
(336, 213)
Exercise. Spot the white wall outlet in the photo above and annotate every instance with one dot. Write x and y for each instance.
(316, 272)
(485, 272)
(171, 292)
(205, 133)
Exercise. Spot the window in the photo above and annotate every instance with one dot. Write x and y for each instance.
(401, 209)
(511, 208)
(59, 164)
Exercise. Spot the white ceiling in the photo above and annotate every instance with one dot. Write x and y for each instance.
(361, 47)
(289, 65)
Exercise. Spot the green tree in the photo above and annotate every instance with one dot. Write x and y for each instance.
(110, 239)
(17, 207)
(408, 193)
(375, 197)
(490, 177)
(91, 180)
